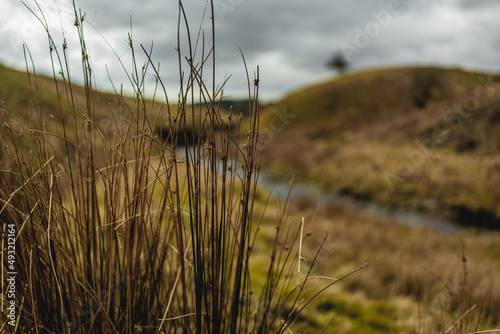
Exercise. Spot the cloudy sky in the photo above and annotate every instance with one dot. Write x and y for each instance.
(291, 40)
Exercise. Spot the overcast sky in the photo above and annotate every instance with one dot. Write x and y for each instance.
(291, 40)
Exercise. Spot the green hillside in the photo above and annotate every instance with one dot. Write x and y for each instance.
(422, 137)
(363, 97)
(18, 91)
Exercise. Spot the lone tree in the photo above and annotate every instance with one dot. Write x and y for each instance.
(338, 63)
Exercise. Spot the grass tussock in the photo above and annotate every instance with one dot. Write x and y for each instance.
(119, 231)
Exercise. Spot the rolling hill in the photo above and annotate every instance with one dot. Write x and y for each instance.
(41, 99)
(419, 137)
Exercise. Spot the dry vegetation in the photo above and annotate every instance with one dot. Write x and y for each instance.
(121, 231)
(117, 231)
(422, 280)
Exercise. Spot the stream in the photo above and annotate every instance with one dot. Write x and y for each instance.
(409, 217)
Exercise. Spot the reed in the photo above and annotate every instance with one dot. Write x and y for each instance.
(119, 231)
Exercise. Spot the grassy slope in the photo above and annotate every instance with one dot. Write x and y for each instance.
(424, 138)
(16, 95)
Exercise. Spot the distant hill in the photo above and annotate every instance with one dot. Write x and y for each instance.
(366, 98)
(21, 95)
(421, 137)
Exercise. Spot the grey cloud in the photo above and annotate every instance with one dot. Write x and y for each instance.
(293, 39)
(478, 4)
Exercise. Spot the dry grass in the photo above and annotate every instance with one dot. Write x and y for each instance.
(416, 280)
(119, 232)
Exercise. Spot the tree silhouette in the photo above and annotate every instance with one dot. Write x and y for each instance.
(338, 63)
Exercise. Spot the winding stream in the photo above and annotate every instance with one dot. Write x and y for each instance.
(409, 217)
